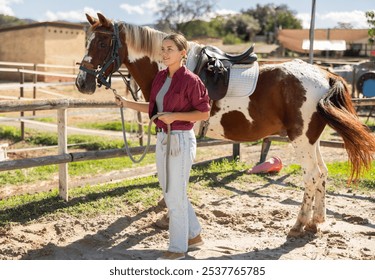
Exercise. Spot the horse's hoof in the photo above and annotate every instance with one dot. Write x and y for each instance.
(311, 228)
(295, 233)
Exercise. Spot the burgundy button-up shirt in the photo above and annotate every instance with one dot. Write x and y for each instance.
(186, 93)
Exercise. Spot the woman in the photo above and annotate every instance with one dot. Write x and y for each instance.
(181, 94)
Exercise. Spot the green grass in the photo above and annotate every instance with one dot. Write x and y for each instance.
(10, 133)
(46, 120)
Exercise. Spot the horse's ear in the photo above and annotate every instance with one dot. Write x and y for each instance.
(91, 20)
(103, 20)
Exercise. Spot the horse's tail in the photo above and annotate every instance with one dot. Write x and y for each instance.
(337, 109)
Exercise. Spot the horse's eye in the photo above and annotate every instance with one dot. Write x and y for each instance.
(102, 45)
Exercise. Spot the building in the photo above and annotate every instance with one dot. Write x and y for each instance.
(355, 41)
(55, 43)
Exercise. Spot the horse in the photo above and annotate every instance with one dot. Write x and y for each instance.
(294, 98)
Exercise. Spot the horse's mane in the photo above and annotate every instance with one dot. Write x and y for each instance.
(143, 40)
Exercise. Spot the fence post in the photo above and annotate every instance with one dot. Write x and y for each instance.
(236, 151)
(63, 149)
(140, 128)
(35, 80)
(22, 114)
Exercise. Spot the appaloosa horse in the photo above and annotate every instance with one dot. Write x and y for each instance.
(294, 98)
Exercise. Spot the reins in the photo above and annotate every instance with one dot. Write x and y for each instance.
(127, 149)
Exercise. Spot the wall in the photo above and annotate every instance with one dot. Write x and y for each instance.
(42, 43)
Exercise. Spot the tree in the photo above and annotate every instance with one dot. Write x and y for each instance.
(344, 25)
(7, 21)
(370, 15)
(199, 28)
(176, 14)
(270, 17)
(242, 25)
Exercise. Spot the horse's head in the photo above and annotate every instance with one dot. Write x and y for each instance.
(102, 57)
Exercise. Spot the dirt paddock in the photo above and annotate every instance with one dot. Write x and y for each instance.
(249, 220)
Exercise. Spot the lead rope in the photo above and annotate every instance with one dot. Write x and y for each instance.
(127, 149)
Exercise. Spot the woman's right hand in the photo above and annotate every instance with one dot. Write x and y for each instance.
(120, 101)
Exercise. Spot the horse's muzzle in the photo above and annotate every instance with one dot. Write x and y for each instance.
(83, 86)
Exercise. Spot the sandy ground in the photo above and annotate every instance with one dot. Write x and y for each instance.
(246, 221)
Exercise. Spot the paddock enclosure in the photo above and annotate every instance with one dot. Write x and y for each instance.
(230, 232)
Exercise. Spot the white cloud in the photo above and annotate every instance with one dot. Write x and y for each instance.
(149, 7)
(5, 8)
(224, 12)
(132, 9)
(330, 20)
(305, 18)
(356, 18)
(77, 15)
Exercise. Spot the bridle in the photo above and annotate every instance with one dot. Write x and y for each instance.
(112, 57)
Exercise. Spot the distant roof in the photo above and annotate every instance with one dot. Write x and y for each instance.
(292, 39)
(46, 23)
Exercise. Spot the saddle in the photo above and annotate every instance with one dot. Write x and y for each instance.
(214, 65)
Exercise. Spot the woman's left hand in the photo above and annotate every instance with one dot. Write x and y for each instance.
(167, 118)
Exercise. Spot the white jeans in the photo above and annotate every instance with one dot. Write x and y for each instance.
(183, 223)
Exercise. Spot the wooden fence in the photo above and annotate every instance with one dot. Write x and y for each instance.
(63, 157)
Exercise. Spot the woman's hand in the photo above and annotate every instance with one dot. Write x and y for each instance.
(167, 118)
(120, 101)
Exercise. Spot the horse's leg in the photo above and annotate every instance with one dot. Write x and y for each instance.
(319, 215)
(306, 153)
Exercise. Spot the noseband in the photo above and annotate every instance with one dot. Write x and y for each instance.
(99, 73)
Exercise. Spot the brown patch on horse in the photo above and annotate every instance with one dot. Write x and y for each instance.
(285, 97)
(294, 95)
(234, 122)
(316, 127)
(214, 108)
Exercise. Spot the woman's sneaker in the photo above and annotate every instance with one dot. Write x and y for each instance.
(195, 242)
(172, 256)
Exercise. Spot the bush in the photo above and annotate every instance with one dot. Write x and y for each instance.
(231, 39)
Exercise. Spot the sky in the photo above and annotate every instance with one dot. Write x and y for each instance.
(142, 12)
